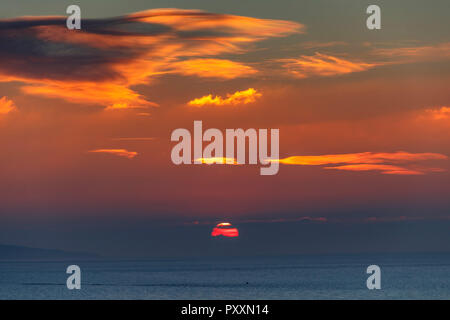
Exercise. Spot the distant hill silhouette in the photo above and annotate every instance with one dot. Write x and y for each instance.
(10, 252)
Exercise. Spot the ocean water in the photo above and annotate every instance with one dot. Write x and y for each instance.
(403, 276)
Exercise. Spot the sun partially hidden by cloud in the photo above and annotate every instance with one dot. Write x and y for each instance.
(218, 160)
(323, 65)
(386, 163)
(118, 152)
(6, 106)
(240, 97)
(225, 229)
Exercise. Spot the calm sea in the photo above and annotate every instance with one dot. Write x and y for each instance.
(404, 276)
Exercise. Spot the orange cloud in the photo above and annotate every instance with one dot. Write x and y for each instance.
(323, 65)
(113, 96)
(438, 114)
(213, 68)
(118, 152)
(218, 160)
(6, 106)
(100, 65)
(363, 157)
(239, 97)
(369, 161)
(238, 28)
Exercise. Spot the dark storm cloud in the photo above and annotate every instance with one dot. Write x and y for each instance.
(29, 55)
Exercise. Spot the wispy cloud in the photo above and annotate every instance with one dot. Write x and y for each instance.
(328, 65)
(6, 105)
(323, 65)
(400, 218)
(318, 44)
(283, 220)
(386, 163)
(239, 97)
(414, 53)
(113, 96)
(117, 152)
(277, 220)
(385, 169)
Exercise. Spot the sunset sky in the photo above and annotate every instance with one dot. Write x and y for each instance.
(86, 117)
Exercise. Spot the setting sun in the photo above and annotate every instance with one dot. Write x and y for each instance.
(225, 229)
